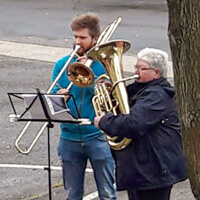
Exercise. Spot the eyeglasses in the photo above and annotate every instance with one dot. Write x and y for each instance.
(141, 68)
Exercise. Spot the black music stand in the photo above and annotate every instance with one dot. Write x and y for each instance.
(40, 100)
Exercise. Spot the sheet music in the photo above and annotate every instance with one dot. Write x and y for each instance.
(55, 104)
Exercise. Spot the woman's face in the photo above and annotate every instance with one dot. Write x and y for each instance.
(145, 72)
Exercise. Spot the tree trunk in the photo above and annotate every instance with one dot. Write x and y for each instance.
(184, 36)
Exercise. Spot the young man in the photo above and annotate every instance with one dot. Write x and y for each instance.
(79, 143)
(149, 166)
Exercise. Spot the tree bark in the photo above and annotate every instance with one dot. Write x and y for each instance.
(184, 37)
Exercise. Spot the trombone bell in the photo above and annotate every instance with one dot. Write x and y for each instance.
(80, 74)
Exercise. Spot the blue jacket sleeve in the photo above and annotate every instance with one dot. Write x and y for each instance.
(145, 114)
(56, 70)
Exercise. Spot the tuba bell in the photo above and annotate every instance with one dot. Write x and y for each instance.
(111, 97)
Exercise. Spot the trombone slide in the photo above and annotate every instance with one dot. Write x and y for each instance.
(27, 150)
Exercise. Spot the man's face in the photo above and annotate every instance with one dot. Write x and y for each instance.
(145, 72)
(83, 38)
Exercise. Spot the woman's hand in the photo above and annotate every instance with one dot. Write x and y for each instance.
(97, 119)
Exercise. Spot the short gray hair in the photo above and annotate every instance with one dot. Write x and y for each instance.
(156, 58)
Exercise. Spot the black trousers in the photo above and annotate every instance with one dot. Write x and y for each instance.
(155, 194)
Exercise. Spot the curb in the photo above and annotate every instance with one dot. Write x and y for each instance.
(52, 54)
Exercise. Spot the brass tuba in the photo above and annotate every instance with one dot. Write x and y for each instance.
(112, 97)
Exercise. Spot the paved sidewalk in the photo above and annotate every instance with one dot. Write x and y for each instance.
(52, 54)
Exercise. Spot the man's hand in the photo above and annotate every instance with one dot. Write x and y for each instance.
(82, 59)
(65, 92)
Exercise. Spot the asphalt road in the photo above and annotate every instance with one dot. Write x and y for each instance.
(144, 23)
(46, 23)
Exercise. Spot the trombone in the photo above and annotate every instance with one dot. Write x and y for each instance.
(27, 150)
(104, 37)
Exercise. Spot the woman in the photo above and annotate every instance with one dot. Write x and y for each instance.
(154, 161)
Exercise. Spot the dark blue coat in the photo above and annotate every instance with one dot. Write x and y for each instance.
(155, 157)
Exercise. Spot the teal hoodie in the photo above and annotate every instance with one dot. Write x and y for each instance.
(83, 101)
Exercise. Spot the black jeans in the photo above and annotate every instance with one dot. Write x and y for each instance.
(156, 194)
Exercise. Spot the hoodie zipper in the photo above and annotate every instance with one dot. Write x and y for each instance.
(80, 111)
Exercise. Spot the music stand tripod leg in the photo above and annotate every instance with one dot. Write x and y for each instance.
(50, 125)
